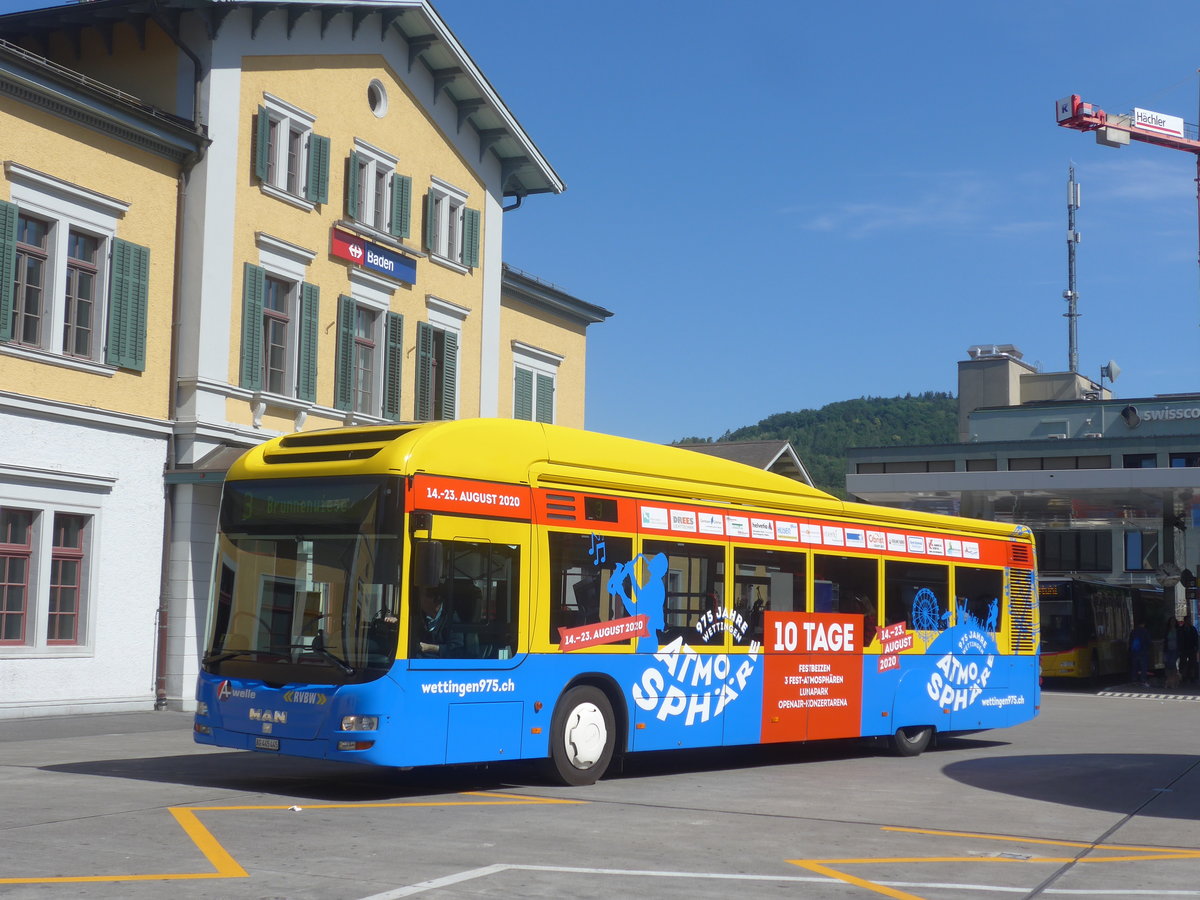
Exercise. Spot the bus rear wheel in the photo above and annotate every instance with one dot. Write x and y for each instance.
(913, 740)
(582, 736)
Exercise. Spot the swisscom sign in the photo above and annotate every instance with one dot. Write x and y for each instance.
(360, 251)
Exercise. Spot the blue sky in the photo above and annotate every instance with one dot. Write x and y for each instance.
(789, 203)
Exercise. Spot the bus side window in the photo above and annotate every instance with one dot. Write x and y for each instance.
(581, 566)
(980, 593)
(694, 582)
(918, 594)
(848, 584)
(764, 580)
(473, 608)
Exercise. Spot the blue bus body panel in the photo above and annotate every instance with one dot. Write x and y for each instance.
(485, 710)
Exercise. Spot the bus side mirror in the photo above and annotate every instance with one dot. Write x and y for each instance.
(428, 563)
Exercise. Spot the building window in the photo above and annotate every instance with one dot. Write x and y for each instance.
(981, 465)
(279, 334)
(1141, 551)
(1185, 460)
(1140, 460)
(535, 383)
(1074, 551)
(66, 579)
(376, 195)
(289, 159)
(533, 396)
(74, 289)
(30, 286)
(53, 615)
(451, 229)
(1057, 463)
(16, 551)
(437, 372)
(83, 251)
(370, 352)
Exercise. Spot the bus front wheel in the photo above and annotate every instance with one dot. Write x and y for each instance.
(582, 735)
(912, 740)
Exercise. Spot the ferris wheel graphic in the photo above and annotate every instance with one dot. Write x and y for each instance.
(925, 613)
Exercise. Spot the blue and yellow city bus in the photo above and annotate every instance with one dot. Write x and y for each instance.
(480, 590)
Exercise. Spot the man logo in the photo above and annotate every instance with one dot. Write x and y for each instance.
(1131, 417)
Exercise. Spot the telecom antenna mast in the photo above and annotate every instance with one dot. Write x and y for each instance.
(1070, 294)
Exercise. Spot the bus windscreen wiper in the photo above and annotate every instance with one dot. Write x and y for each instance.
(318, 646)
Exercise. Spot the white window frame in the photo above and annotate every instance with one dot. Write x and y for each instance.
(375, 294)
(284, 116)
(46, 493)
(539, 362)
(373, 164)
(66, 207)
(448, 206)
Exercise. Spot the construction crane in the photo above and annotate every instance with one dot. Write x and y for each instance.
(1139, 125)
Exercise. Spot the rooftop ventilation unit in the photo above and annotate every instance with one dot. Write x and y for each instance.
(994, 351)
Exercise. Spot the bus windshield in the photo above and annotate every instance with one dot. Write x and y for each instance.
(306, 579)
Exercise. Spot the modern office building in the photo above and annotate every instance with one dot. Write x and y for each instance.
(1111, 487)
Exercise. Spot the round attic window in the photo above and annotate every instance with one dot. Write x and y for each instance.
(377, 97)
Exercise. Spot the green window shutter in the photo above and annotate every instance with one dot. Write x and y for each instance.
(424, 407)
(430, 224)
(353, 189)
(401, 205)
(449, 374)
(254, 286)
(392, 363)
(262, 132)
(471, 238)
(343, 376)
(317, 188)
(306, 381)
(128, 305)
(545, 398)
(8, 266)
(523, 395)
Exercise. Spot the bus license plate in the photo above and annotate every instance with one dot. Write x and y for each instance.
(261, 743)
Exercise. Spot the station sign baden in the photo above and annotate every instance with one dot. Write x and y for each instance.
(370, 255)
(1157, 123)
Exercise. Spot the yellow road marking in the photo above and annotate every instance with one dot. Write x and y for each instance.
(1140, 854)
(814, 866)
(223, 863)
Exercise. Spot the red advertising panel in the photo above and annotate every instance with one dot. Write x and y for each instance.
(610, 632)
(813, 676)
(469, 498)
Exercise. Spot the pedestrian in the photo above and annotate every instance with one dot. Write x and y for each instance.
(1171, 654)
(1139, 653)
(1189, 644)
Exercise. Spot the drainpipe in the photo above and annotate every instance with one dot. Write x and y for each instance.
(163, 617)
(162, 627)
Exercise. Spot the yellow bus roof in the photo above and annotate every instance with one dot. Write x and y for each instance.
(541, 455)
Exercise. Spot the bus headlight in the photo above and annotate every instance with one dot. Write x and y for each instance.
(360, 723)
(201, 708)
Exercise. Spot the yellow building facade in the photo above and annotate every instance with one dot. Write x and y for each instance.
(89, 195)
(339, 244)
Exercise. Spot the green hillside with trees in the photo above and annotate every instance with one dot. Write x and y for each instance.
(822, 436)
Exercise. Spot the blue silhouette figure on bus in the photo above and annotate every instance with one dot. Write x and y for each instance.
(993, 618)
(647, 599)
